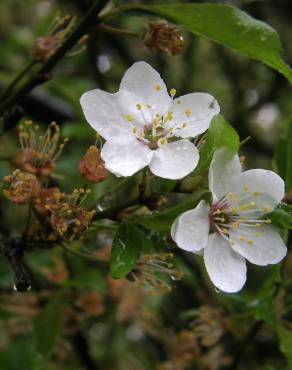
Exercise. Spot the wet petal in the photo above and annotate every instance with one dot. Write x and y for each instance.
(190, 230)
(265, 188)
(193, 113)
(148, 88)
(106, 112)
(224, 165)
(175, 160)
(261, 246)
(125, 156)
(226, 268)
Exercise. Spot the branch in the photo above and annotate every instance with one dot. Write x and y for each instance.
(44, 73)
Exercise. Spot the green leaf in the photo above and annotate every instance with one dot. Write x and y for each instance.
(283, 157)
(219, 134)
(281, 216)
(126, 249)
(228, 26)
(47, 327)
(162, 186)
(285, 337)
(162, 221)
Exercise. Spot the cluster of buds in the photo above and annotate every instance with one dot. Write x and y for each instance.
(68, 218)
(92, 166)
(146, 273)
(163, 38)
(38, 152)
(59, 30)
(209, 325)
(21, 187)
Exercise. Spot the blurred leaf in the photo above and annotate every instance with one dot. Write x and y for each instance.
(47, 327)
(282, 216)
(229, 27)
(162, 186)
(162, 221)
(283, 157)
(219, 134)
(285, 337)
(126, 248)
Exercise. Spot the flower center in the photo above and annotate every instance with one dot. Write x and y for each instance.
(236, 211)
(157, 129)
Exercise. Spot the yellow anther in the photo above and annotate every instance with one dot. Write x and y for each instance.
(217, 212)
(266, 209)
(158, 87)
(253, 204)
(267, 221)
(257, 234)
(178, 101)
(234, 210)
(250, 242)
(139, 106)
(184, 125)
(245, 188)
(129, 118)
(242, 238)
(149, 106)
(188, 112)
(134, 130)
(161, 142)
(172, 92)
(258, 225)
(256, 193)
(225, 231)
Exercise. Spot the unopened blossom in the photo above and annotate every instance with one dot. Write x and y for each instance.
(39, 151)
(69, 219)
(21, 187)
(91, 166)
(233, 228)
(164, 38)
(145, 126)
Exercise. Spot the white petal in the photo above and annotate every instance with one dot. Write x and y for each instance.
(147, 86)
(224, 165)
(266, 248)
(175, 160)
(125, 156)
(226, 268)
(195, 112)
(190, 230)
(268, 186)
(106, 112)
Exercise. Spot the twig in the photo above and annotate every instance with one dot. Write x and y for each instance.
(44, 73)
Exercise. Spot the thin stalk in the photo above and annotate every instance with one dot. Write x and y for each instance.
(118, 31)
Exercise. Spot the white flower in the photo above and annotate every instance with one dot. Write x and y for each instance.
(234, 222)
(141, 124)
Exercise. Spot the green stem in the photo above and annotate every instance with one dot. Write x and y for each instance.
(118, 31)
(17, 79)
(102, 264)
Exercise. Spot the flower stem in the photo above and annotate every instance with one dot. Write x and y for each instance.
(118, 31)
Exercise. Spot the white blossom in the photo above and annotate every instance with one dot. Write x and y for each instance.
(233, 230)
(144, 125)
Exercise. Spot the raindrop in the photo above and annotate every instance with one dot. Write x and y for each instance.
(22, 286)
(99, 207)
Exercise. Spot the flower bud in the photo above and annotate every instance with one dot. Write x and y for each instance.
(163, 38)
(21, 187)
(45, 47)
(39, 151)
(92, 166)
(48, 199)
